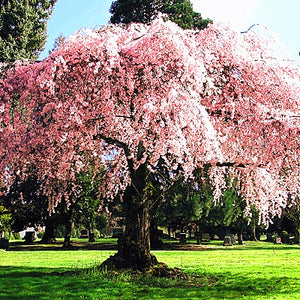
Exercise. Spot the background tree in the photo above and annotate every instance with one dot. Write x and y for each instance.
(23, 27)
(87, 205)
(127, 11)
(144, 11)
(176, 211)
(26, 203)
(232, 212)
(182, 13)
(5, 220)
(292, 212)
(204, 207)
(29, 207)
(155, 103)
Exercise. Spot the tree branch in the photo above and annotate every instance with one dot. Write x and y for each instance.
(119, 144)
(174, 186)
(230, 164)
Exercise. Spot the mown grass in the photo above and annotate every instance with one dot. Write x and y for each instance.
(254, 271)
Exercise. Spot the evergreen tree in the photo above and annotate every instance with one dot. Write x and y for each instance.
(292, 213)
(182, 13)
(23, 28)
(127, 11)
(5, 220)
(143, 11)
(86, 206)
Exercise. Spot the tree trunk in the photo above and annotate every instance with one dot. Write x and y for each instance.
(297, 233)
(134, 246)
(91, 235)
(169, 231)
(68, 231)
(68, 225)
(199, 232)
(240, 236)
(253, 233)
(155, 239)
(141, 201)
(49, 235)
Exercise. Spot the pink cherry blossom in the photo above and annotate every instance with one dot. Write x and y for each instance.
(190, 98)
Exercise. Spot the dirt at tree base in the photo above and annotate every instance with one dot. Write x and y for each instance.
(159, 270)
(162, 270)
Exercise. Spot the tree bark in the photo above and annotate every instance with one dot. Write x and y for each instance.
(253, 233)
(68, 231)
(155, 239)
(91, 236)
(49, 235)
(199, 232)
(68, 227)
(297, 233)
(240, 236)
(134, 246)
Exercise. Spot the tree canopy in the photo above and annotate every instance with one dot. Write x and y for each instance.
(154, 102)
(145, 11)
(23, 28)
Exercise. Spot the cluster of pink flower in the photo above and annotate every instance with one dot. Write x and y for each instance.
(124, 96)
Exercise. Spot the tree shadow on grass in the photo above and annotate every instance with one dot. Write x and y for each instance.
(99, 245)
(44, 283)
(56, 246)
(213, 247)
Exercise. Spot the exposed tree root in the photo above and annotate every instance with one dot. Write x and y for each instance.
(156, 269)
(162, 270)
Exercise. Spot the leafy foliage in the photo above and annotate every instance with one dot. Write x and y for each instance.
(27, 205)
(191, 205)
(292, 212)
(87, 206)
(5, 220)
(23, 28)
(139, 11)
(182, 13)
(145, 11)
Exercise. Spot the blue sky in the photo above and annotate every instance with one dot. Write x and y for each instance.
(281, 16)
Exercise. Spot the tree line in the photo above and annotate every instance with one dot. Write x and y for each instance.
(190, 208)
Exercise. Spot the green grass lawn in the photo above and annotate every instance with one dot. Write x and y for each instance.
(257, 270)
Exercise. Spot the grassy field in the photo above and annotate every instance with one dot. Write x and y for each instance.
(257, 270)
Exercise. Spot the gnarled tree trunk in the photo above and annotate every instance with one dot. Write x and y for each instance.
(134, 246)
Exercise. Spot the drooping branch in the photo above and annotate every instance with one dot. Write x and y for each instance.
(246, 31)
(119, 144)
(175, 185)
(231, 164)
